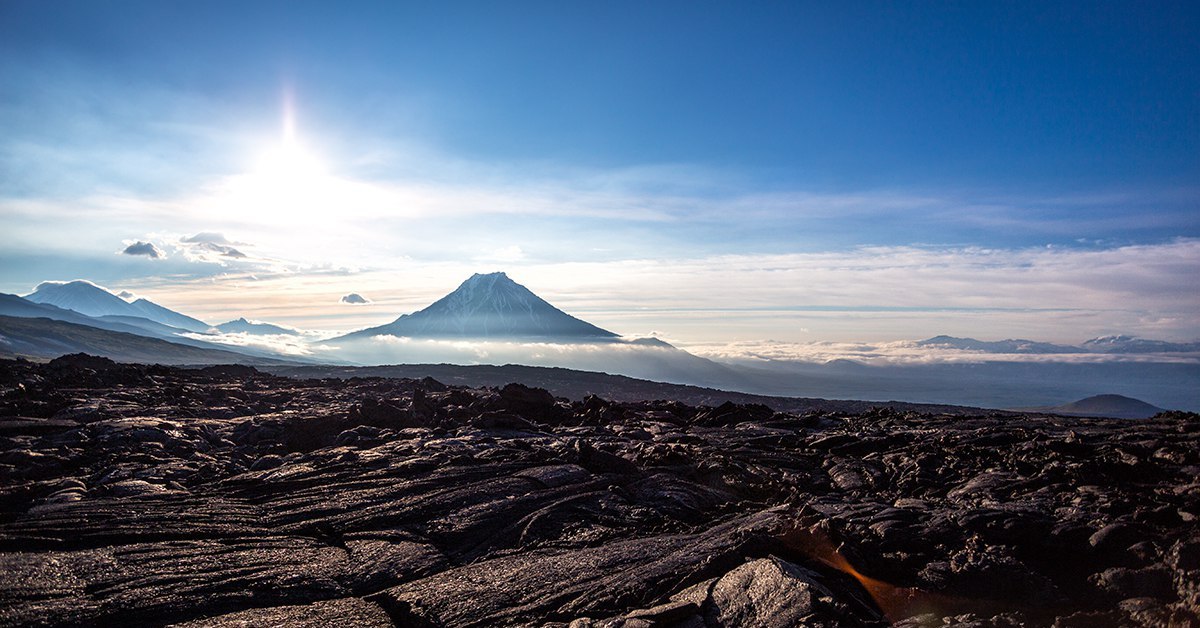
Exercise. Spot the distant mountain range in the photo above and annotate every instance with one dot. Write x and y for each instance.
(89, 299)
(1129, 344)
(15, 306)
(1104, 344)
(505, 322)
(490, 307)
(109, 321)
(491, 319)
(243, 326)
(46, 338)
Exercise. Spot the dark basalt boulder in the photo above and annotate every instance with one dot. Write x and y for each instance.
(80, 361)
(229, 371)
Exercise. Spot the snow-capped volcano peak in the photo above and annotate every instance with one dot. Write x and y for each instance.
(491, 306)
(491, 291)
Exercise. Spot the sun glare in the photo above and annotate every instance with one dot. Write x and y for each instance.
(288, 165)
(289, 186)
(287, 181)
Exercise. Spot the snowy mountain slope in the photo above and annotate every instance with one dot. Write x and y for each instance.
(89, 299)
(156, 312)
(84, 297)
(491, 306)
(18, 307)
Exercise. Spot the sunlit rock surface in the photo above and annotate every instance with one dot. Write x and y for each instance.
(134, 495)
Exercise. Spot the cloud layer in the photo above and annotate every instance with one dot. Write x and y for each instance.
(778, 354)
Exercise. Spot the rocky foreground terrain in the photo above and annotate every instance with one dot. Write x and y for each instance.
(138, 495)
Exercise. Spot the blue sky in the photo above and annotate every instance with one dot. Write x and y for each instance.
(902, 149)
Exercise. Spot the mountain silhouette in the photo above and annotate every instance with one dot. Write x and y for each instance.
(1130, 344)
(490, 306)
(47, 338)
(1104, 344)
(243, 326)
(89, 299)
(166, 316)
(1011, 345)
(1112, 406)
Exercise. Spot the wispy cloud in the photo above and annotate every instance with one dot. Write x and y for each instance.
(214, 248)
(503, 255)
(636, 360)
(468, 210)
(208, 237)
(212, 253)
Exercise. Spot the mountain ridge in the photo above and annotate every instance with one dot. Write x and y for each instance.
(1121, 344)
(92, 300)
(12, 305)
(257, 328)
(49, 338)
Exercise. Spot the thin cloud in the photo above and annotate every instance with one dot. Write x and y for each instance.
(507, 254)
(212, 253)
(207, 237)
(223, 250)
(53, 282)
(776, 353)
(211, 248)
(636, 359)
(283, 344)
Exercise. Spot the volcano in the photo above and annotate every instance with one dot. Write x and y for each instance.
(491, 306)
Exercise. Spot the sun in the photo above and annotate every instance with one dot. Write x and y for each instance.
(287, 186)
(287, 181)
(288, 163)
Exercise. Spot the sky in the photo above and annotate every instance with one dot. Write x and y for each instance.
(703, 171)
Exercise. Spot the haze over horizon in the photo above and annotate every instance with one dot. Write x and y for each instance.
(715, 175)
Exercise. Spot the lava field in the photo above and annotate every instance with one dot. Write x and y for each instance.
(148, 495)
